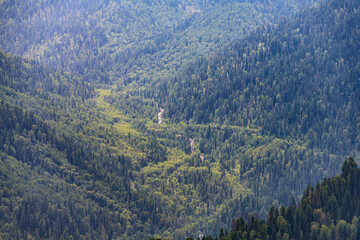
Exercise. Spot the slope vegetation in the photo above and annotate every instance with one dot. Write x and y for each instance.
(125, 41)
(328, 211)
(242, 129)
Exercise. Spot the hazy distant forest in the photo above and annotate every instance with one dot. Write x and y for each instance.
(238, 119)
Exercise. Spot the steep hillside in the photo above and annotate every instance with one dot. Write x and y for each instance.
(122, 41)
(139, 178)
(292, 79)
(241, 129)
(144, 178)
(296, 80)
(328, 211)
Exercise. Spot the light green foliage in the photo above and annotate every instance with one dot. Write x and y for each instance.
(87, 132)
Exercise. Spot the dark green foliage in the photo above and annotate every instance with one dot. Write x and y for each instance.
(297, 80)
(78, 177)
(269, 114)
(315, 217)
(71, 142)
(126, 41)
(28, 77)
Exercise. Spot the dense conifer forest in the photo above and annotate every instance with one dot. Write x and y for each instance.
(330, 210)
(157, 119)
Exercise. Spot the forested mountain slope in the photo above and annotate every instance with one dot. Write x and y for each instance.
(242, 129)
(51, 186)
(294, 80)
(297, 80)
(122, 41)
(136, 177)
(140, 178)
(328, 211)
